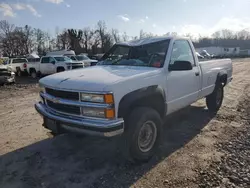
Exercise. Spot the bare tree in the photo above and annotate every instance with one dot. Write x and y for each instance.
(108, 42)
(116, 36)
(63, 40)
(243, 35)
(227, 34)
(171, 34)
(95, 43)
(101, 31)
(41, 41)
(125, 37)
(6, 30)
(142, 34)
(75, 38)
(87, 36)
(216, 35)
(28, 38)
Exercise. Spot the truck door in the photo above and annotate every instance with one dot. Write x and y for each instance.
(183, 86)
(47, 66)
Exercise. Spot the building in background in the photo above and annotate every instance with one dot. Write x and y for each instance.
(220, 51)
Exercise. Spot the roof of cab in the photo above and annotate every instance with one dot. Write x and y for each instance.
(144, 41)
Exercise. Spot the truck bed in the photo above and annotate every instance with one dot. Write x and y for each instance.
(209, 71)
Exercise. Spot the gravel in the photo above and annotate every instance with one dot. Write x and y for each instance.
(233, 170)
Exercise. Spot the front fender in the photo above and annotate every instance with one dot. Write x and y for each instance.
(131, 98)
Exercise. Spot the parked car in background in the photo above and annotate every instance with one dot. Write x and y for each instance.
(96, 57)
(18, 65)
(137, 85)
(6, 75)
(61, 52)
(206, 55)
(52, 64)
(199, 55)
(84, 59)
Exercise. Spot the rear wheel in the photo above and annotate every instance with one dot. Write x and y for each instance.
(19, 72)
(142, 135)
(215, 99)
(33, 74)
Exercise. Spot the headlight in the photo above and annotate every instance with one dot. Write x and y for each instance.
(97, 98)
(98, 112)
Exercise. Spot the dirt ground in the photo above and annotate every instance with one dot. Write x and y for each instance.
(31, 157)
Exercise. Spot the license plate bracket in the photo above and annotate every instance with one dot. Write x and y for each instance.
(51, 124)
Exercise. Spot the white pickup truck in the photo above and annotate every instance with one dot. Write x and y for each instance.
(84, 59)
(52, 64)
(135, 85)
(18, 65)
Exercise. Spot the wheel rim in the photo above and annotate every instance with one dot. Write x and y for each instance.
(147, 136)
(219, 96)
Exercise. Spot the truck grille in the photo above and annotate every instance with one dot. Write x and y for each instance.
(64, 108)
(63, 94)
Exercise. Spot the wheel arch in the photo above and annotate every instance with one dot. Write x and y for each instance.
(18, 68)
(60, 68)
(222, 78)
(32, 69)
(151, 96)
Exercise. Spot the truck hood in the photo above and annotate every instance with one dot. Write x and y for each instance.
(96, 78)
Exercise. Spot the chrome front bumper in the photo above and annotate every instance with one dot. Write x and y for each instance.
(67, 123)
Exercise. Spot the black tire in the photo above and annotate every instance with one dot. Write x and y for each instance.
(33, 73)
(215, 99)
(19, 72)
(60, 69)
(140, 117)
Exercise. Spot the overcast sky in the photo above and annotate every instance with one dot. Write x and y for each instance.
(156, 16)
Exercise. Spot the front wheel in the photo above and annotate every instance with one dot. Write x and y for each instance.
(215, 99)
(60, 69)
(142, 134)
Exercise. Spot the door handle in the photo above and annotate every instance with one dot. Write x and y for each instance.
(197, 73)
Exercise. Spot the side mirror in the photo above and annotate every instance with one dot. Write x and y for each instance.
(53, 62)
(180, 66)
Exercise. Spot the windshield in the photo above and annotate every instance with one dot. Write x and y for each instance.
(62, 59)
(82, 57)
(150, 55)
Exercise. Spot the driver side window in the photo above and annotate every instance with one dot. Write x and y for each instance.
(51, 59)
(45, 60)
(182, 52)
